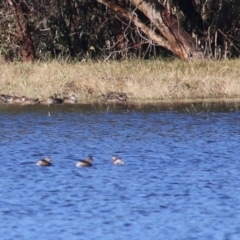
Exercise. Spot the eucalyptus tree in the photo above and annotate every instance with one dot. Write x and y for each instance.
(188, 28)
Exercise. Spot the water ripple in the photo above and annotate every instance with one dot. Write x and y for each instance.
(180, 180)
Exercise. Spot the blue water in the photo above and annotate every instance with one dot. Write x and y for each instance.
(181, 179)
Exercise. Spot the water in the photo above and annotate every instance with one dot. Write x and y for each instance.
(181, 178)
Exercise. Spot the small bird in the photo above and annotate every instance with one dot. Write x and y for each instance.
(85, 163)
(70, 98)
(116, 97)
(30, 101)
(4, 97)
(44, 162)
(16, 99)
(54, 100)
(117, 160)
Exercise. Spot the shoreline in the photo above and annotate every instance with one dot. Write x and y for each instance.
(187, 106)
(132, 102)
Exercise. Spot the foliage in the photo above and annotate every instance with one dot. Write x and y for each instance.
(86, 29)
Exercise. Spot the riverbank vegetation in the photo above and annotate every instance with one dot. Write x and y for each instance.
(141, 80)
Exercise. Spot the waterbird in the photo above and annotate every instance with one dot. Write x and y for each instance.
(12, 99)
(16, 99)
(44, 162)
(72, 99)
(115, 97)
(117, 160)
(85, 163)
(4, 97)
(54, 100)
(30, 101)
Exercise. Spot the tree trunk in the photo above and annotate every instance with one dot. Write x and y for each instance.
(24, 38)
(172, 35)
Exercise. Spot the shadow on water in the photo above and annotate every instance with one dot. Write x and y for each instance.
(177, 106)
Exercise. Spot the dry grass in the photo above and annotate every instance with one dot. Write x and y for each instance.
(141, 80)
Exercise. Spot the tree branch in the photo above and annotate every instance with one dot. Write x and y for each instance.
(161, 41)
